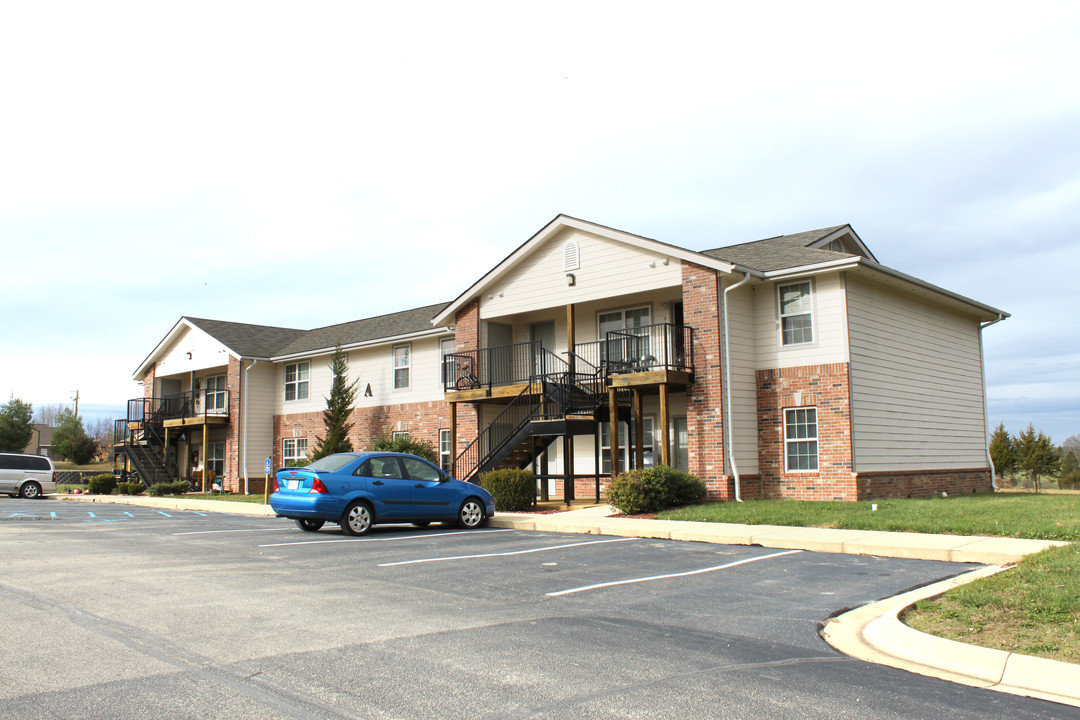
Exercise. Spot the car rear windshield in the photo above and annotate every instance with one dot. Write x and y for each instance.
(330, 463)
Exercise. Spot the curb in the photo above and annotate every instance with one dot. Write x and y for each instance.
(875, 633)
(174, 503)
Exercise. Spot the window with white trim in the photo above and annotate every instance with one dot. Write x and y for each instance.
(215, 458)
(625, 452)
(446, 347)
(402, 366)
(400, 435)
(294, 452)
(796, 314)
(215, 393)
(801, 439)
(297, 376)
(446, 451)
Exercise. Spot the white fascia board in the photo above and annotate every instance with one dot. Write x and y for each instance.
(559, 223)
(419, 335)
(988, 310)
(169, 337)
(815, 269)
(841, 232)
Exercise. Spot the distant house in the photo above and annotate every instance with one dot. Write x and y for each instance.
(40, 440)
(791, 367)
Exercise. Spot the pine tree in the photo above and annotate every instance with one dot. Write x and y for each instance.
(1002, 452)
(339, 407)
(16, 425)
(1036, 454)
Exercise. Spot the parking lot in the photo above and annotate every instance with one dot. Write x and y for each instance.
(120, 611)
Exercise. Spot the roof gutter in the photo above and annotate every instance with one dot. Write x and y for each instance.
(730, 432)
(434, 332)
(986, 399)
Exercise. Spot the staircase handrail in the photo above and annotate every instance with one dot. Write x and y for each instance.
(473, 457)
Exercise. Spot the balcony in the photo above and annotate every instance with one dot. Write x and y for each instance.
(200, 407)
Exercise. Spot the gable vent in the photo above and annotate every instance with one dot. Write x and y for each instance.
(836, 246)
(571, 258)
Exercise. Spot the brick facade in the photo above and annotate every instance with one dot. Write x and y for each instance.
(923, 483)
(825, 387)
(704, 398)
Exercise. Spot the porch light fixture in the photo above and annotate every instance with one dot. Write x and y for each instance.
(570, 279)
(189, 356)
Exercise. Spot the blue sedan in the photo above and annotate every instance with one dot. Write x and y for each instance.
(359, 489)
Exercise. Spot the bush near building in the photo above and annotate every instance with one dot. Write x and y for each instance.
(514, 489)
(652, 489)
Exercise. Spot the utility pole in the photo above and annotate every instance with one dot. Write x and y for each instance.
(76, 403)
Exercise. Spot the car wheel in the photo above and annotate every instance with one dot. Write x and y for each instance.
(357, 519)
(422, 523)
(30, 490)
(471, 514)
(309, 525)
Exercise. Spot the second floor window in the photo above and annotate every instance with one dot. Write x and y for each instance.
(402, 366)
(296, 380)
(796, 314)
(215, 393)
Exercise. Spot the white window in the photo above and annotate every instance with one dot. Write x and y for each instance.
(296, 380)
(800, 439)
(446, 347)
(295, 452)
(215, 458)
(402, 366)
(401, 434)
(796, 314)
(215, 394)
(446, 452)
(624, 349)
(625, 453)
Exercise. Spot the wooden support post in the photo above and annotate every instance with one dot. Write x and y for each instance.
(206, 460)
(568, 467)
(665, 446)
(165, 451)
(639, 430)
(613, 411)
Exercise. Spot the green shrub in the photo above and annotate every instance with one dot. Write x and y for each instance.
(1069, 480)
(131, 488)
(102, 484)
(405, 443)
(513, 489)
(162, 489)
(652, 489)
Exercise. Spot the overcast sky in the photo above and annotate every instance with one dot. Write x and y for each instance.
(305, 164)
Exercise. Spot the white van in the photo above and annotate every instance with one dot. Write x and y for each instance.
(27, 476)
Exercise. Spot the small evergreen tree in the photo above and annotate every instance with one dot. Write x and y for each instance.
(1070, 471)
(70, 440)
(1002, 452)
(16, 425)
(339, 407)
(1036, 454)
(405, 443)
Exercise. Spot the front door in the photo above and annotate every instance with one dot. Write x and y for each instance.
(500, 354)
(682, 444)
(544, 332)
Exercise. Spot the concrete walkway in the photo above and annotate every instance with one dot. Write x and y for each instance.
(873, 632)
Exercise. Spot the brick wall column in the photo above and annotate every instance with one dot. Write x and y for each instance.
(704, 398)
(467, 337)
(233, 462)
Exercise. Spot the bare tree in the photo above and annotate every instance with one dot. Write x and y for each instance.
(48, 414)
(101, 430)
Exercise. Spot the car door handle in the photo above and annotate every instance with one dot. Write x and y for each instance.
(419, 485)
(377, 482)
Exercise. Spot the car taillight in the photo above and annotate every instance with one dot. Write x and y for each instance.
(318, 487)
(275, 484)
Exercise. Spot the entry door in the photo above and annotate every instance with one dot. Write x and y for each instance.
(682, 444)
(500, 354)
(545, 333)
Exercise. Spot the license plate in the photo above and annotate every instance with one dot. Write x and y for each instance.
(294, 484)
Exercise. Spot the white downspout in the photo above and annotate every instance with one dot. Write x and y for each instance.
(986, 401)
(730, 432)
(244, 450)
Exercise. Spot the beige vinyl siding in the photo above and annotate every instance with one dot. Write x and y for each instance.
(743, 376)
(830, 337)
(916, 382)
(259, 387)
(206, 352)
(608, 269)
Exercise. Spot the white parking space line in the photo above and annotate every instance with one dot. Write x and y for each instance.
(671, 575)
(385, 539)
(211, 532)
(504, 554)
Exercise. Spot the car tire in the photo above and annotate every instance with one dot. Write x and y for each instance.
(422, 523)
(309, 524)
(357, 518)
(30, 490)
(471, 514)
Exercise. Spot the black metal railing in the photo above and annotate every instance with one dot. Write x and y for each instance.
(199, 403)
(498, 433)
(491, 366)
(663, 346)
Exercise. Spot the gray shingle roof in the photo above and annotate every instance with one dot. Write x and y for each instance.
(266, 341)
(779, 253)
(245, 339)
(358, 331)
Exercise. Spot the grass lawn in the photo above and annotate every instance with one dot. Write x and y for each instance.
(229, 497)
(1024, 515)
(1033, 608)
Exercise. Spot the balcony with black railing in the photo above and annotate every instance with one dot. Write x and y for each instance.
(193, 407)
